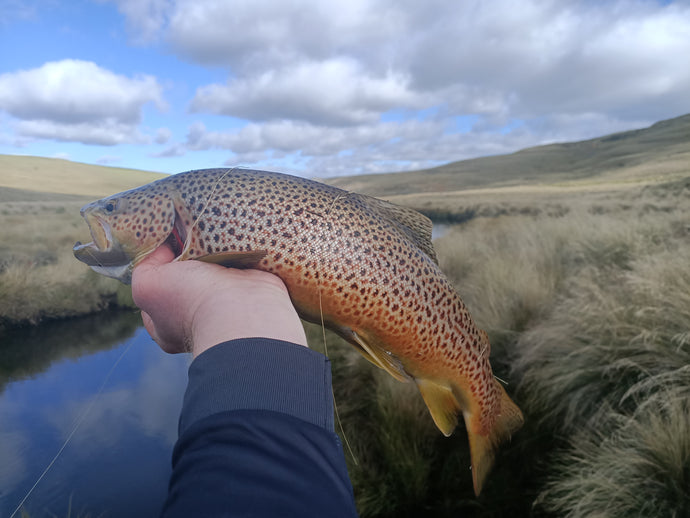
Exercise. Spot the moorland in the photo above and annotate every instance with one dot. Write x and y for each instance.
(573, 257)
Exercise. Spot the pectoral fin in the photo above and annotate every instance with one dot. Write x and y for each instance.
(235, 259)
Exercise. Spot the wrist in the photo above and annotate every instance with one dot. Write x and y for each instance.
(267, 313)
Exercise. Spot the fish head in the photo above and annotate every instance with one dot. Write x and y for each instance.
(126, 227)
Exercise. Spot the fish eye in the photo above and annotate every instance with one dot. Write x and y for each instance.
(110, 207)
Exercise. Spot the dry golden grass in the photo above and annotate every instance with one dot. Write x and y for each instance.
(39, 276)
(51, 175)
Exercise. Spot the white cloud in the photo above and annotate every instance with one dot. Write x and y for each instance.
(310, 139)
(73, 91)
(163, 135)
(145, 18)
(171, 151)
(313, 83)
(11, 10)
(264, 33)
(74, 100)
(335, 91)
(108, 159)
(378, 147)
(103, 132)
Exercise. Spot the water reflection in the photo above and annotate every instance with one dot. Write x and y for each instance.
(31, 350)
(439, 230)
(118, 461)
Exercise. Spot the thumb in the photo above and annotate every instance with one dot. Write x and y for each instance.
(161, 255)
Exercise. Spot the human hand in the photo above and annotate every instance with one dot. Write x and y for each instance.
(190, 306)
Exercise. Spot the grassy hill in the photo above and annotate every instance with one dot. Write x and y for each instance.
(27, 175)
(660, 152)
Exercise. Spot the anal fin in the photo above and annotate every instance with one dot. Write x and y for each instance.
(442, 404)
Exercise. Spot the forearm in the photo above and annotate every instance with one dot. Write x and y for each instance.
(256, 434)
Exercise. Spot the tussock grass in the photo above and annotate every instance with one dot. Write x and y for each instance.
(609, 371)
(617, 329)
(588, 312)
(640, 470)
(39, 277)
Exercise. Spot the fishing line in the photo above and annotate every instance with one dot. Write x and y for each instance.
(74, 429)
(502, 380)
(335, 404)
(208, 201)
(325, 348)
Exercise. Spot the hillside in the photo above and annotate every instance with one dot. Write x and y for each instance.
(659, 152)
(25, 176)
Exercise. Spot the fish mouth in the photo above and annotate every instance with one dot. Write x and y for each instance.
(103, 250)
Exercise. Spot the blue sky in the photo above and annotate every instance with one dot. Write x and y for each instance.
(323, 88)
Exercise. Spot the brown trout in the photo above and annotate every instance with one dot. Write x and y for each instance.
(365, 265)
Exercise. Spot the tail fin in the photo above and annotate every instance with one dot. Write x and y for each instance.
(445, 405)
(483, 447)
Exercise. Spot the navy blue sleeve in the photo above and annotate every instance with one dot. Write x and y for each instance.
(256, 436)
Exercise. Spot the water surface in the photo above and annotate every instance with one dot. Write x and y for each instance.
(117, 463)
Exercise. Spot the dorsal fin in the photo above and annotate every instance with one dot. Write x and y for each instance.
(416, 226)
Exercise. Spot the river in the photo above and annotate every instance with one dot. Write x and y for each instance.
(105, 376)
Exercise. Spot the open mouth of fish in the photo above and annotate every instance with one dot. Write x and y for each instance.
(106, 251)
(103, 250)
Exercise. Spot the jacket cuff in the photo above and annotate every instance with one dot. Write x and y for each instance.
(259, 374)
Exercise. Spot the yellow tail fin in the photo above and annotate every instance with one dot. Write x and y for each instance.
(445, 405)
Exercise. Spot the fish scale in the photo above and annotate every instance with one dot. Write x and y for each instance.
(367, 267)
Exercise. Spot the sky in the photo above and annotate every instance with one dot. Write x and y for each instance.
(324, 88)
